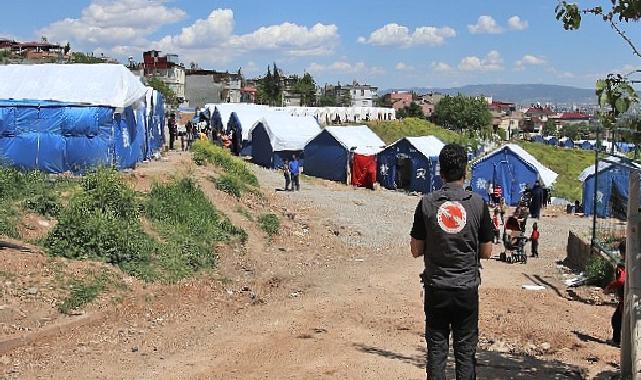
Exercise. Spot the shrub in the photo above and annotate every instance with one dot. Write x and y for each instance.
(101, 223)
(46, 204)
(269, 223)
(599, 271)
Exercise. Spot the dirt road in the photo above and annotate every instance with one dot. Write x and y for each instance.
(345, 304)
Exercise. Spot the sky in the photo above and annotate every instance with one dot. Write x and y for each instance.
(388, 43)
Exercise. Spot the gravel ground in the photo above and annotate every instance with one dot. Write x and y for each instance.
(375, 222)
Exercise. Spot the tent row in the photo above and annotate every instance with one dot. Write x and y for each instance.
(566, 142)
(329, 115)
(75, 117)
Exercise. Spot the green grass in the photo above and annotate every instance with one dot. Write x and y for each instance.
(599, 271)
(230, 184)
(390, 131)
(269, 223)
(244, 212)
(190, 225)
(103, 222)
(567, 163)
(206, 152)
(83, 292)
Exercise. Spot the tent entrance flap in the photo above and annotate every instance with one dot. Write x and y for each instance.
(403, 172)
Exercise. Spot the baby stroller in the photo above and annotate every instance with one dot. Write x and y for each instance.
(514, 241)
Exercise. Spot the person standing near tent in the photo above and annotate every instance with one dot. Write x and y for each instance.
(189, 134)
(618, 285)
(536, 200)
(350, 164)
(173, 130)
(294, 171)
(459, 231)
(287, 174)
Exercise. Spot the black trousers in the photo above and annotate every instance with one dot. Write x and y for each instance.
(535, 248)
(172, 138)
(295, 182)
(456, 310)
(617, 319)
(287, 181)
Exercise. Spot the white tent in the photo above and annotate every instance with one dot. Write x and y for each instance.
(361, 137)
(430, 146)
(102, 84)
(288, 133)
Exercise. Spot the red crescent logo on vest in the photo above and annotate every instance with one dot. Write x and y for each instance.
(451, 217)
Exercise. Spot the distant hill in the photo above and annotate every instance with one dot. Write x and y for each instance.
(523, 94)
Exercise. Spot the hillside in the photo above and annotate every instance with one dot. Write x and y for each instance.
(390, 131)
(523, 94)
(567, 163)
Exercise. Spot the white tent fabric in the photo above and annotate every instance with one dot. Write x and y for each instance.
(359, 136)
(288, 132)
(429, 146)
(603, 165)
(248, 116)
(547, 175)
(102, 84)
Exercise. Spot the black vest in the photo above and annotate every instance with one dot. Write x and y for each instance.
(452, 221)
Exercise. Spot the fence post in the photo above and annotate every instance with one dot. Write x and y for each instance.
(631, 328)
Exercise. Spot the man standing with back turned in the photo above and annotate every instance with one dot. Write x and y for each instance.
(452, 231)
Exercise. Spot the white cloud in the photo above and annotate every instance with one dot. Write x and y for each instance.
(108, 24)
(492, 61)
(516, 23)
(441, 67)
(402, 66)
(398, 35)
(344, 67)
(485, 25)
(530, 60)
(212, 39)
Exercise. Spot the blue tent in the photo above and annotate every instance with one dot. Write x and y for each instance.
(241, 121)
(327, 155)
(278, 136)
(586, 145)
(411, 164)
(74, 127)
(566, 142)
(551, 140)
(512, 168)
(611, 187)
(537, 139)
(624, 147)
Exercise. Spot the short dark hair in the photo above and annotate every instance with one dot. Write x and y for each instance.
(453, 161)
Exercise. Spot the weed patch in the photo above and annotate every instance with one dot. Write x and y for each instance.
(190, 224)
(599, 271)
(269, 223)
(244, 212)
(229, 184)
(83, 292)
(206, 152)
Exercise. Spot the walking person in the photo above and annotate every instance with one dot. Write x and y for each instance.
(287, 175)
(497, 226)
(294, 171)
(537, 195)
(173, 130)
(457, 227)
(618, 285)
(189, 134)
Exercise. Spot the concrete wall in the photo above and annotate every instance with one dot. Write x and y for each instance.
(201, 89)
(578, 252)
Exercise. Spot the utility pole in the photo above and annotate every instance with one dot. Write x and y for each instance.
(631, 327)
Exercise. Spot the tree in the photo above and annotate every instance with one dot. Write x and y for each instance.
(306, 88)
(413, 110)
(549, 128)
(463, 112)
(77, 57)
(167, 93)
(269, 88)
(67, 48)
(615, 92)
(571, 130)
(327, 101)
(346, 99)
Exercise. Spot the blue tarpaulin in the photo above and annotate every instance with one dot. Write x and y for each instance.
(512, 168)
(403, 165)
(611, 185)
(56, 137)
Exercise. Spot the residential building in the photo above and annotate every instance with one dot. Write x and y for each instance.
(354, 95)
(166, 68)
(201, 88)
(33, 51)
(398, 99)
(571, 118)
(505, 117)
(248, 93)
(290, 97)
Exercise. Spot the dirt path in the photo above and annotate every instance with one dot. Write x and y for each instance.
(348, 306)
